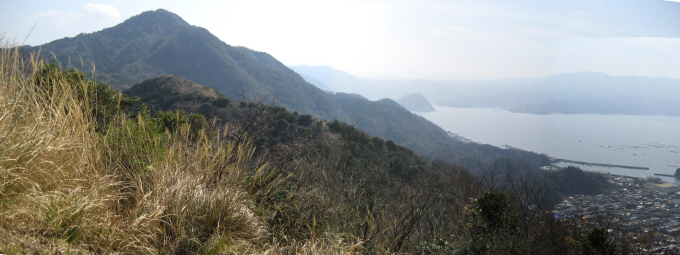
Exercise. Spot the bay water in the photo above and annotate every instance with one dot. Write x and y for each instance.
(631, 140)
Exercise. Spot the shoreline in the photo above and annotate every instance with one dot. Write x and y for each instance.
(554, 160)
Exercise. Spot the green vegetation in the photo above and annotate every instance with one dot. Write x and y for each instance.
(387, 119)
(493, 228)
(251, 179)
(175, 167)
(159, 42)
(74, 179)
(342, 149)
(597, 242)
(572, 180)
(104, 102)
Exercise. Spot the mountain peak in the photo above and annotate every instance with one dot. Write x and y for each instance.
(150, 22)
(161, 17)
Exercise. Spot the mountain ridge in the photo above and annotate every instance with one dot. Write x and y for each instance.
(243, 74)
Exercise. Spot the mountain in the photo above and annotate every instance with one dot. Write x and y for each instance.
(159, 42)
(331, 158)
(571, 93)
(415, 102)
(171, 92)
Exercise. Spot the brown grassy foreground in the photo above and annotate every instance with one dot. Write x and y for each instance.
(66, 188)
(82, 171)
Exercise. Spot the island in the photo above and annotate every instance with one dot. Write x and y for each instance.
(416, 103)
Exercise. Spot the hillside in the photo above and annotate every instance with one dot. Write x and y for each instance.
(85, 169)
(268, 126)
(175, 92)
(159, 42)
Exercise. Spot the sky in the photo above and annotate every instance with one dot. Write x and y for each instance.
(404, 39)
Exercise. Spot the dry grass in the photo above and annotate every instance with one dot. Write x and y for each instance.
(65, 188)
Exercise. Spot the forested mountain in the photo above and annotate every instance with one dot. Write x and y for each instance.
(159, 42)
(159, 177)
(272, 127)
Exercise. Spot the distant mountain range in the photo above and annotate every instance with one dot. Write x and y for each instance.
(575, 93)
(159, 42)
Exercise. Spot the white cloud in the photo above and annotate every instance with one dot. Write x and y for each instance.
(102, 9)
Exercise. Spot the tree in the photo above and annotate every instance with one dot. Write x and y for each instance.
(492, 208)
(597, 243)
(493, 226)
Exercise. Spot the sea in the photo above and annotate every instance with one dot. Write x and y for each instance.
(630, 140)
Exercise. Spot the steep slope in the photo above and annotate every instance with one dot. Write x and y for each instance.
(275, 126)
(159, 42)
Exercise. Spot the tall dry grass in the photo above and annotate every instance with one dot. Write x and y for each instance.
(65, 188)
(49, 182)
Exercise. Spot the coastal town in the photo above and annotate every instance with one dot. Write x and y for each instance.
(632, 209)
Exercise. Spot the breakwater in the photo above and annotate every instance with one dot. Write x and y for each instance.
(667, 175)
(556, 160)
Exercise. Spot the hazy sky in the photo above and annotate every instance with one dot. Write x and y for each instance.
(405, 39)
